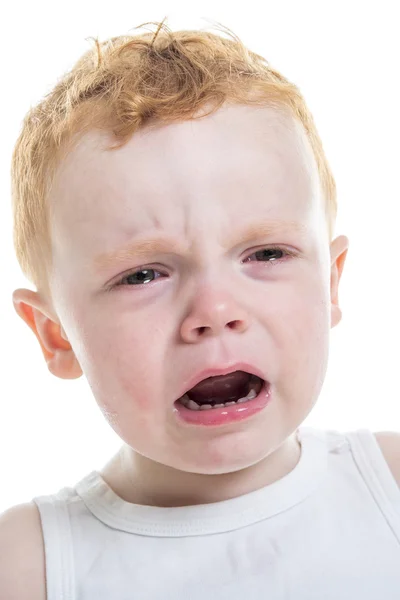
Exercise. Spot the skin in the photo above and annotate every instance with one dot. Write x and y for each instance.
(196, 182)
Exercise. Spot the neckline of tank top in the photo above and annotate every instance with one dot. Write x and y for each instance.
(217, 517)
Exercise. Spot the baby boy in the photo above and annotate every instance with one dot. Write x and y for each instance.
(175, 210)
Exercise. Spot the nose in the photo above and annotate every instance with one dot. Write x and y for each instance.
(211, 313)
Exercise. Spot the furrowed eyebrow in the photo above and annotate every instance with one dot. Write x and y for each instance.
(142, 249)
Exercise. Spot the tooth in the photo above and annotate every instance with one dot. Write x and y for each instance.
(193, 405)
(186, 401)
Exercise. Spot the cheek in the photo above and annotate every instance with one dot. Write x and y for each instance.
(306, 337)
(123, 359)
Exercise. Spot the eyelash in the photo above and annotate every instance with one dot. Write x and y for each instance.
(120, 282)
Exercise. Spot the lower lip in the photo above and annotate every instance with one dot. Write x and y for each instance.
(225, 414)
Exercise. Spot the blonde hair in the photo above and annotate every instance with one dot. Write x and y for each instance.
(128, 82)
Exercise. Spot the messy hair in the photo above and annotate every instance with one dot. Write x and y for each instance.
(124, 84)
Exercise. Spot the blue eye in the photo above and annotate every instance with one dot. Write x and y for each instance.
(265, 253)
(145, 276)
(138, 277)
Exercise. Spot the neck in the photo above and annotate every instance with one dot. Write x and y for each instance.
(139, 480)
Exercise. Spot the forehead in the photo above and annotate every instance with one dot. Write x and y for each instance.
(239, 160)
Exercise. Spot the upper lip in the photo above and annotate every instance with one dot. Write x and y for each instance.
(224, 370)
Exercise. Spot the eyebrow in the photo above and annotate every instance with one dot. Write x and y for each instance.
(142, 249)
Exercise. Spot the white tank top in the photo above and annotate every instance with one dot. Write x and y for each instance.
(329, 529)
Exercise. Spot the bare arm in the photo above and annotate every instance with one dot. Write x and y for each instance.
(22, 560)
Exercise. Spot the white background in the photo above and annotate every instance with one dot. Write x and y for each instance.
(344, 56)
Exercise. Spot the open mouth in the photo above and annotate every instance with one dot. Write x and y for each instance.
(216, 392)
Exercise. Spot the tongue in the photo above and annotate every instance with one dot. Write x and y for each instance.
(223, 387)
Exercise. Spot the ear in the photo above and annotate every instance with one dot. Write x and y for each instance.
(339, 248)
(57, 351)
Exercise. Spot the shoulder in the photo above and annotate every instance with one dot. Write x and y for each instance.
(22, 564)
(389, 442)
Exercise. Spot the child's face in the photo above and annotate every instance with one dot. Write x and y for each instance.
(198, 184)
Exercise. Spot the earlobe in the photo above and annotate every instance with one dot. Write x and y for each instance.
(57, 351)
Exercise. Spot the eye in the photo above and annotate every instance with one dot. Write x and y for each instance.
(269, 255)
(138, 277)
(144, 276)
